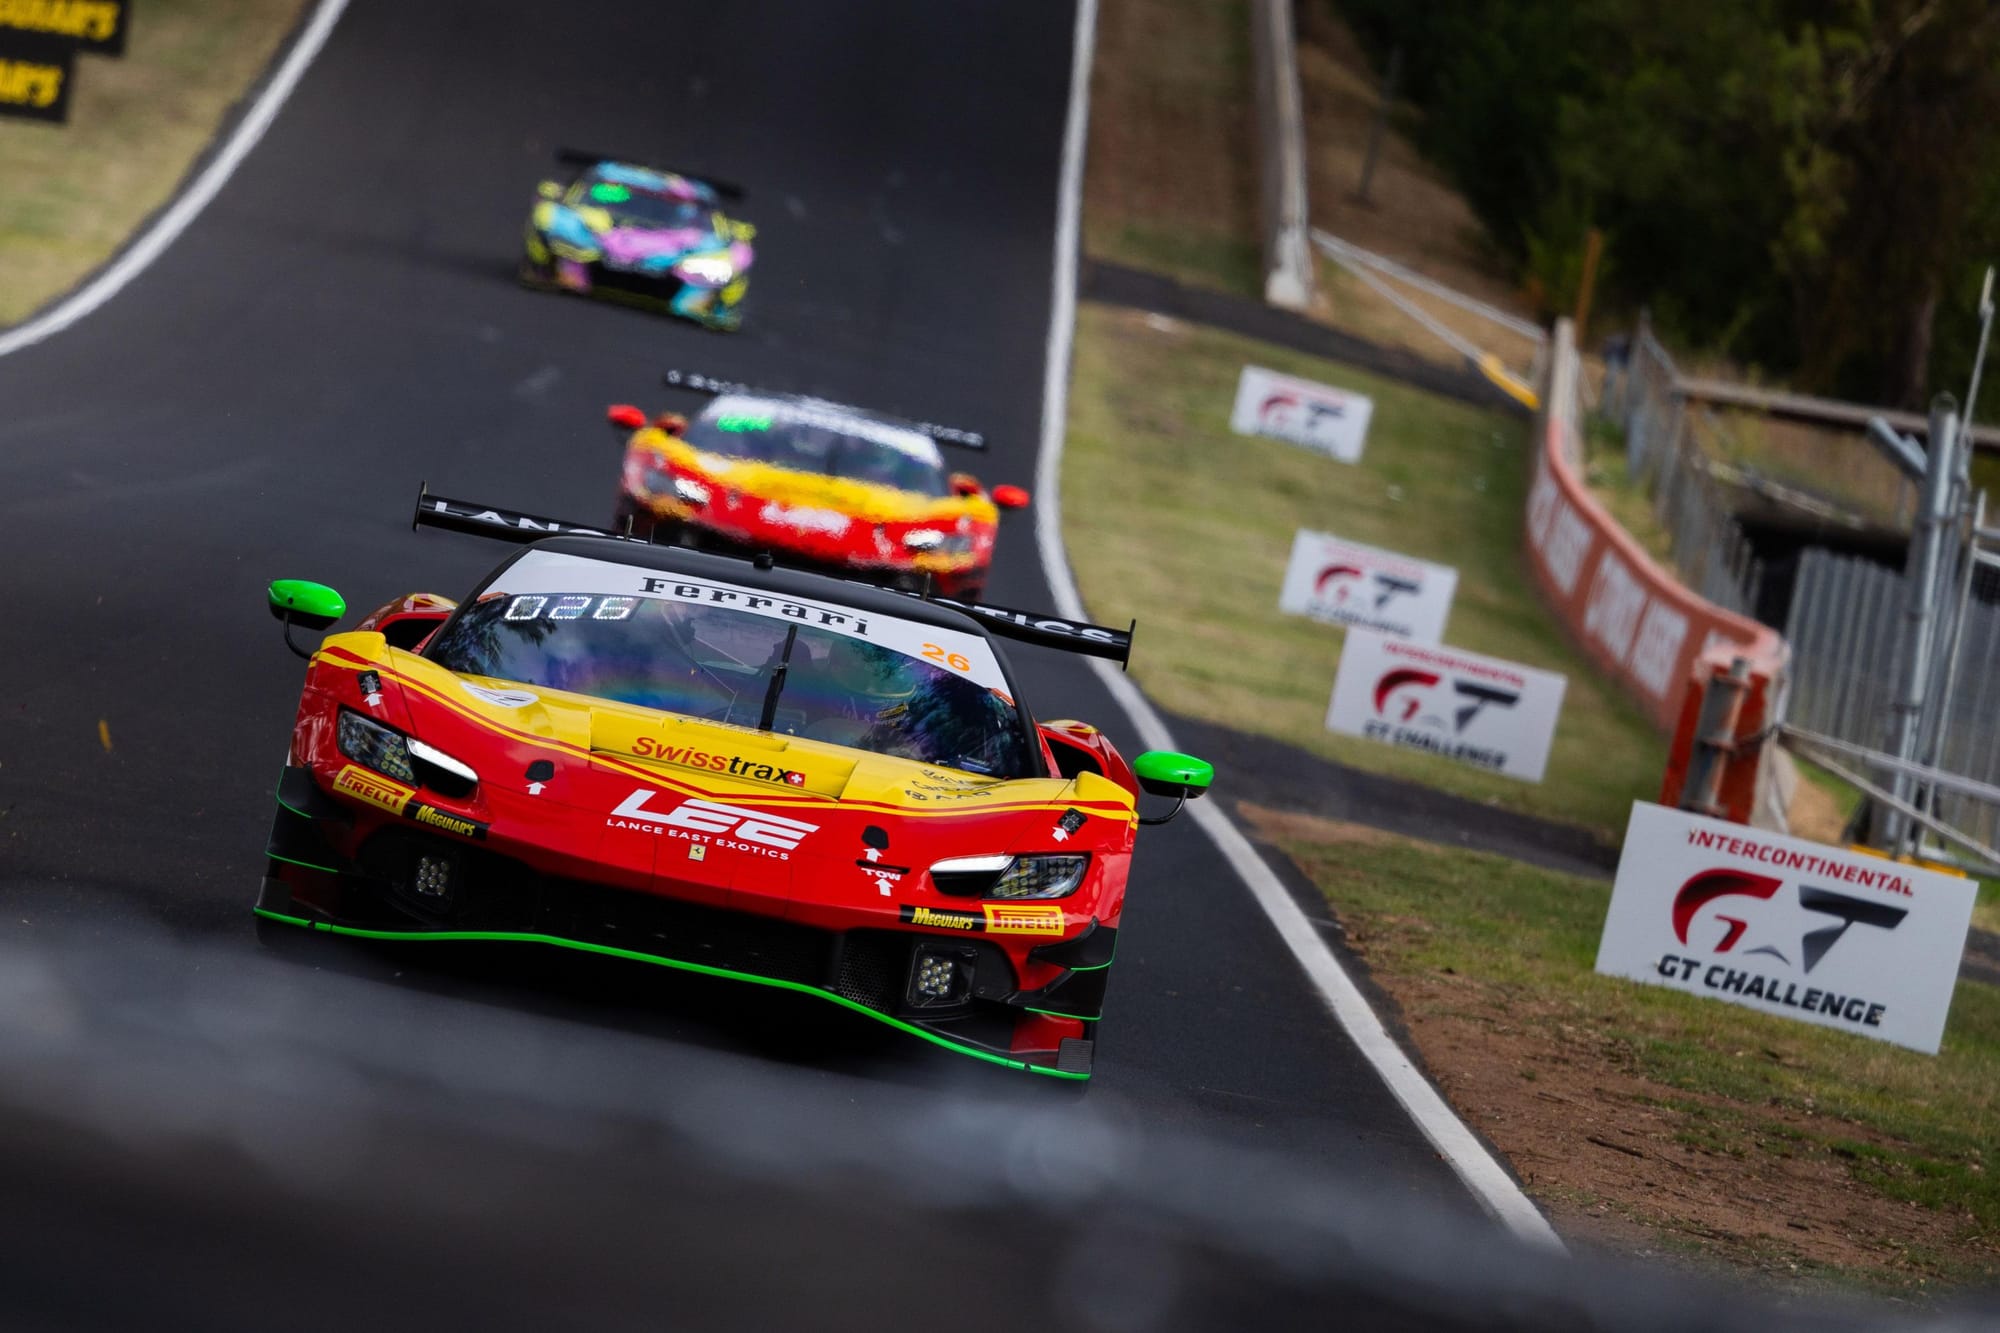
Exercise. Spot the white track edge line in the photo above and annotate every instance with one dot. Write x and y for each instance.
(1484, 1176)
(168, 225)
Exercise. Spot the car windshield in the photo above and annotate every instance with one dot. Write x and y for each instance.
(807, 437)
(634, 206)
(741, 656)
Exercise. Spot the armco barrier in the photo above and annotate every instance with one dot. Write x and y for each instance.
(1632, 617)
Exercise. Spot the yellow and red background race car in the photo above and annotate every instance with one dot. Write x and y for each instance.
(817, 484)
(720, 766)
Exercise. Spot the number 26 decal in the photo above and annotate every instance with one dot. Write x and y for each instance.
(956, 661)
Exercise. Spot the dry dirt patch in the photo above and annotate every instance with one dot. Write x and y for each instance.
(1618, 1156)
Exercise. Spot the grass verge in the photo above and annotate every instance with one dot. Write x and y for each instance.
(1794, 1150)
(76, 191)
(1174, 520)
(1172, 184)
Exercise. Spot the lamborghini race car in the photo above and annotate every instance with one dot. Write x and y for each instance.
(817, 484)
(717, 765)
(640, 235)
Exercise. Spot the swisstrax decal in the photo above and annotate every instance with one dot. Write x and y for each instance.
(733, 764)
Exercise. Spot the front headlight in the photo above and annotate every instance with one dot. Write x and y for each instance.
(685, 489)
(372, 745)
(931, 541)
(404, 758)
(1016, 877)
(714, 270)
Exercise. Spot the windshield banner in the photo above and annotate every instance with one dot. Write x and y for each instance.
(553, 574)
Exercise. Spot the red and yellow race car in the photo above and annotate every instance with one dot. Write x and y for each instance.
(817, 484)
(721, 766)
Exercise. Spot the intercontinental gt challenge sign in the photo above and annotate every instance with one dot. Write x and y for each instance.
(1791, 927)
(1346, 583)
(1478, 710)
(1317, 416)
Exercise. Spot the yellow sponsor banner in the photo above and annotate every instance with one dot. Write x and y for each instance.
(1023, 918)
(373, 788)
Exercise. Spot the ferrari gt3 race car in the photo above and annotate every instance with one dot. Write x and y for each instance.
(818, 484)
(721, 766)
(641, 235)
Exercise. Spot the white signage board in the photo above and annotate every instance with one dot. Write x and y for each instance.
(1478, 710)
(1787, 926)
(1346, 583)
(1315, 415)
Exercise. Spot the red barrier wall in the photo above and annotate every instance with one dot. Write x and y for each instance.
(1631, 616)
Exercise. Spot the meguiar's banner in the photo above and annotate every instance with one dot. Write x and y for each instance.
(35, 76)
(1796, 928)
(96, 26)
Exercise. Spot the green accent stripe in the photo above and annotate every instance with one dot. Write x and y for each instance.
(293, 861)
(1057, 1013)
(702, 969)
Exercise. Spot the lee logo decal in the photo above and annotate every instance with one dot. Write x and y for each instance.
(1023, 918)
(373, 788)
(728, 826)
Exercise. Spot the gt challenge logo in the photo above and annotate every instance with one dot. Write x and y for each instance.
(1735, 915)
(712, 823)
(1423, 709)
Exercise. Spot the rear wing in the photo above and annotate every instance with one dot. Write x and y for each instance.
(1035, 627)
(692, 381)
(585, 158)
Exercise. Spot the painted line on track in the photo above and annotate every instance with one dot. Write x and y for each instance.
(168, 225)
(1483, 1175)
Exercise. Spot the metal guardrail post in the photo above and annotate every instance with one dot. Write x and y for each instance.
(1715, 738)
(1281, 137)
(1920, 586)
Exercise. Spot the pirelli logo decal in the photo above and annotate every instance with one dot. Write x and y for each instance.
(373, 788)
(1023, 918)
(366, 785)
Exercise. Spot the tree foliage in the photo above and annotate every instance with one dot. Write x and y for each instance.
(1803, 184)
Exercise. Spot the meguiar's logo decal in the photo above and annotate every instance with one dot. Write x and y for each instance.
(940, 920)
(444, 819)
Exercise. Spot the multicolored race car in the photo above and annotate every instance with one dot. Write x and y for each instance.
(721, 766)
(642, 235)
(817, 484)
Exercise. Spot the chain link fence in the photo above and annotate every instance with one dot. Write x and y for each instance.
(1689, 490)
(1849, 645)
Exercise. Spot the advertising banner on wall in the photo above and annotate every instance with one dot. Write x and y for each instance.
(1796, 928)
(35, 75)
(96, 26)
(1304, 412)
(1346, 583)
(1478, 710)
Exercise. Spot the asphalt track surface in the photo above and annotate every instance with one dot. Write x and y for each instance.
(342, 323)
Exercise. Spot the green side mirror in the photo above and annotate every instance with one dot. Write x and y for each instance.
(313, 605)
(1170, 773)
(550, 189)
